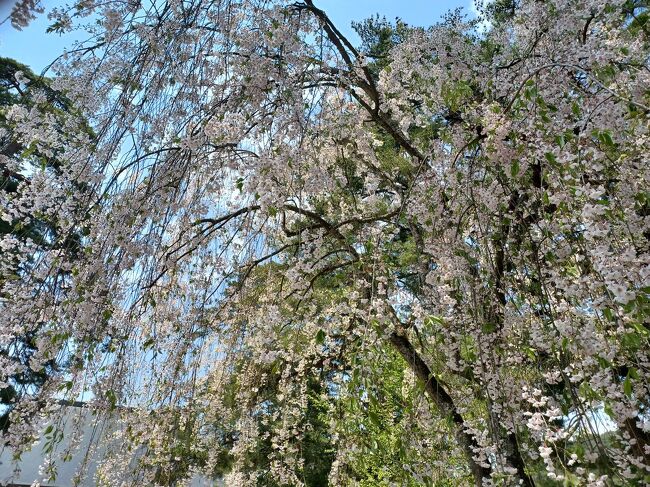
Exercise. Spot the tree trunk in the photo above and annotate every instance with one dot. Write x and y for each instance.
(445, 404)
(442, 400)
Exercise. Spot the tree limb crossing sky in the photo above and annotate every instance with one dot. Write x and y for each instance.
(34, 47)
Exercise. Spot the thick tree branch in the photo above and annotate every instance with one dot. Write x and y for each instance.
(441, 399)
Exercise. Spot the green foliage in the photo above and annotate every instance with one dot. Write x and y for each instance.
(378, 37)
(41, 230)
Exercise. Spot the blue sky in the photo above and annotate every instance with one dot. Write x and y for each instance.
(37, 49)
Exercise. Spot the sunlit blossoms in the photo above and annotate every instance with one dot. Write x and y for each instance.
(421, 261)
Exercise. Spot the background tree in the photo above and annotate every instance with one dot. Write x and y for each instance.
(24, 165)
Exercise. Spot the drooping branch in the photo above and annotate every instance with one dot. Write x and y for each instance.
(366, 83)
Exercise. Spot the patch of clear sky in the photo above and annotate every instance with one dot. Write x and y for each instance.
(33, 47)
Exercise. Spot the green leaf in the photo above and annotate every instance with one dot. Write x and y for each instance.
(565, 343)
(374, 418)
(531, 353)
(320, 337)
(112, 399)
(514, 168)
(606, 138)
(434, 321)
(573, 271)
(575, 108)
(642, 330)
(627, 387)
(631, 340)
(607, 313)
(550, 157)
(488, 328)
